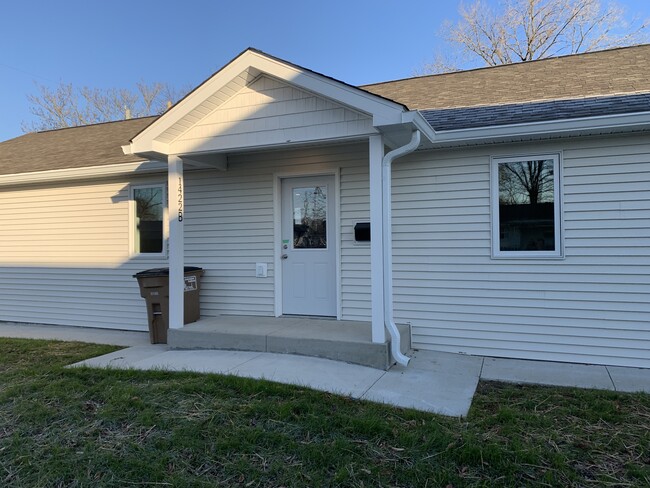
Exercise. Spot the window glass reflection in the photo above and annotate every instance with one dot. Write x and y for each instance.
(310, 217)
(149, 219)
(527, 206)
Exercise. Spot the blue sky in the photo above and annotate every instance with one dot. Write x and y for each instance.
(118, 43)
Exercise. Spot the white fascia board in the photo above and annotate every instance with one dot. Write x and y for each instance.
(583, 125)
(153, 155)
(146, 147)
(396, 135)
(418, 121)
(90, 172)
(382, 110)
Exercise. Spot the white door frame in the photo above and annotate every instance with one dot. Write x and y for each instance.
(277, 231)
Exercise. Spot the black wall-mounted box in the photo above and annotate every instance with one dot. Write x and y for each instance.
(362, 232)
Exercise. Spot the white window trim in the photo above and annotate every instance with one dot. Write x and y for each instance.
(132, 222)
(558, 253)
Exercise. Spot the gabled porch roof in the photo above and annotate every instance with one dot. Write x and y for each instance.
(259, 101)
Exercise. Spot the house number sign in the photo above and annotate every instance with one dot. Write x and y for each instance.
(180, 199)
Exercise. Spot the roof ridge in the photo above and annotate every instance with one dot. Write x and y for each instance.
(92, 125)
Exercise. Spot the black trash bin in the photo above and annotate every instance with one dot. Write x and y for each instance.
(154, 288)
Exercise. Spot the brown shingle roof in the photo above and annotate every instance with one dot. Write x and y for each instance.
(74, 147)
(616, 71)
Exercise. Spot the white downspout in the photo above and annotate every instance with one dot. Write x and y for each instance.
(389, 321)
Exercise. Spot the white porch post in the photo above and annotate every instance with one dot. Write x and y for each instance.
(376, 245)
(176, 189)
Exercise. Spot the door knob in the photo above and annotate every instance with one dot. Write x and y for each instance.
(284, 256)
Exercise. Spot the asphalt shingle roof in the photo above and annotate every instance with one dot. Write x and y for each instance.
(471, 117)
(602, 73)
(74, 147)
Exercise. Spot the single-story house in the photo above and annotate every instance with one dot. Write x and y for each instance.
(501, 211)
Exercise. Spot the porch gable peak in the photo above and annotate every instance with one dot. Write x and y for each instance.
(258, 101)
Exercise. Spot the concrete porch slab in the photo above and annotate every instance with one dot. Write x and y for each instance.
(340, 340)
(547, 373)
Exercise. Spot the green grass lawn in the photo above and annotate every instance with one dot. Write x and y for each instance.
(83, 427)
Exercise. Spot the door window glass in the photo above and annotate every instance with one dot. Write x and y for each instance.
(310, 217)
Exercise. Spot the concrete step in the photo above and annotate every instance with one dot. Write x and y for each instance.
(340, 340)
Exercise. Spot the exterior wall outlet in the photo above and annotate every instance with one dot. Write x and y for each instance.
(261, 270)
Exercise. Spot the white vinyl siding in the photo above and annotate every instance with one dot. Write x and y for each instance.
(65, 256)
(271, 112)
(229, 226)
(593, 306)
(355, 257)
(208, 105)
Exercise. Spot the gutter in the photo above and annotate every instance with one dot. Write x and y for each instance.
(387, 241)
(85, 173)
(567, 127)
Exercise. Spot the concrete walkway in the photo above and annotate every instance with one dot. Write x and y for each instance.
(437, 382)
(440, 383)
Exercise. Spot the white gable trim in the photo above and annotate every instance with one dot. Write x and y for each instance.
(383, 111)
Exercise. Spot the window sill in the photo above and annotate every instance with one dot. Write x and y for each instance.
(149, 257)
(517, 257)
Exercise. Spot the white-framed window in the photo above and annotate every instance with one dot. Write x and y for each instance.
(526, 207)
(148, 210)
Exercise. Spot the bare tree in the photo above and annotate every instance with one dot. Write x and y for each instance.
(149, 205)
(524, 30)
(526, 182)
(311, 232)
(67, 106)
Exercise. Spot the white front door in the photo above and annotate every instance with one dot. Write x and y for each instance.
(308, 246)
